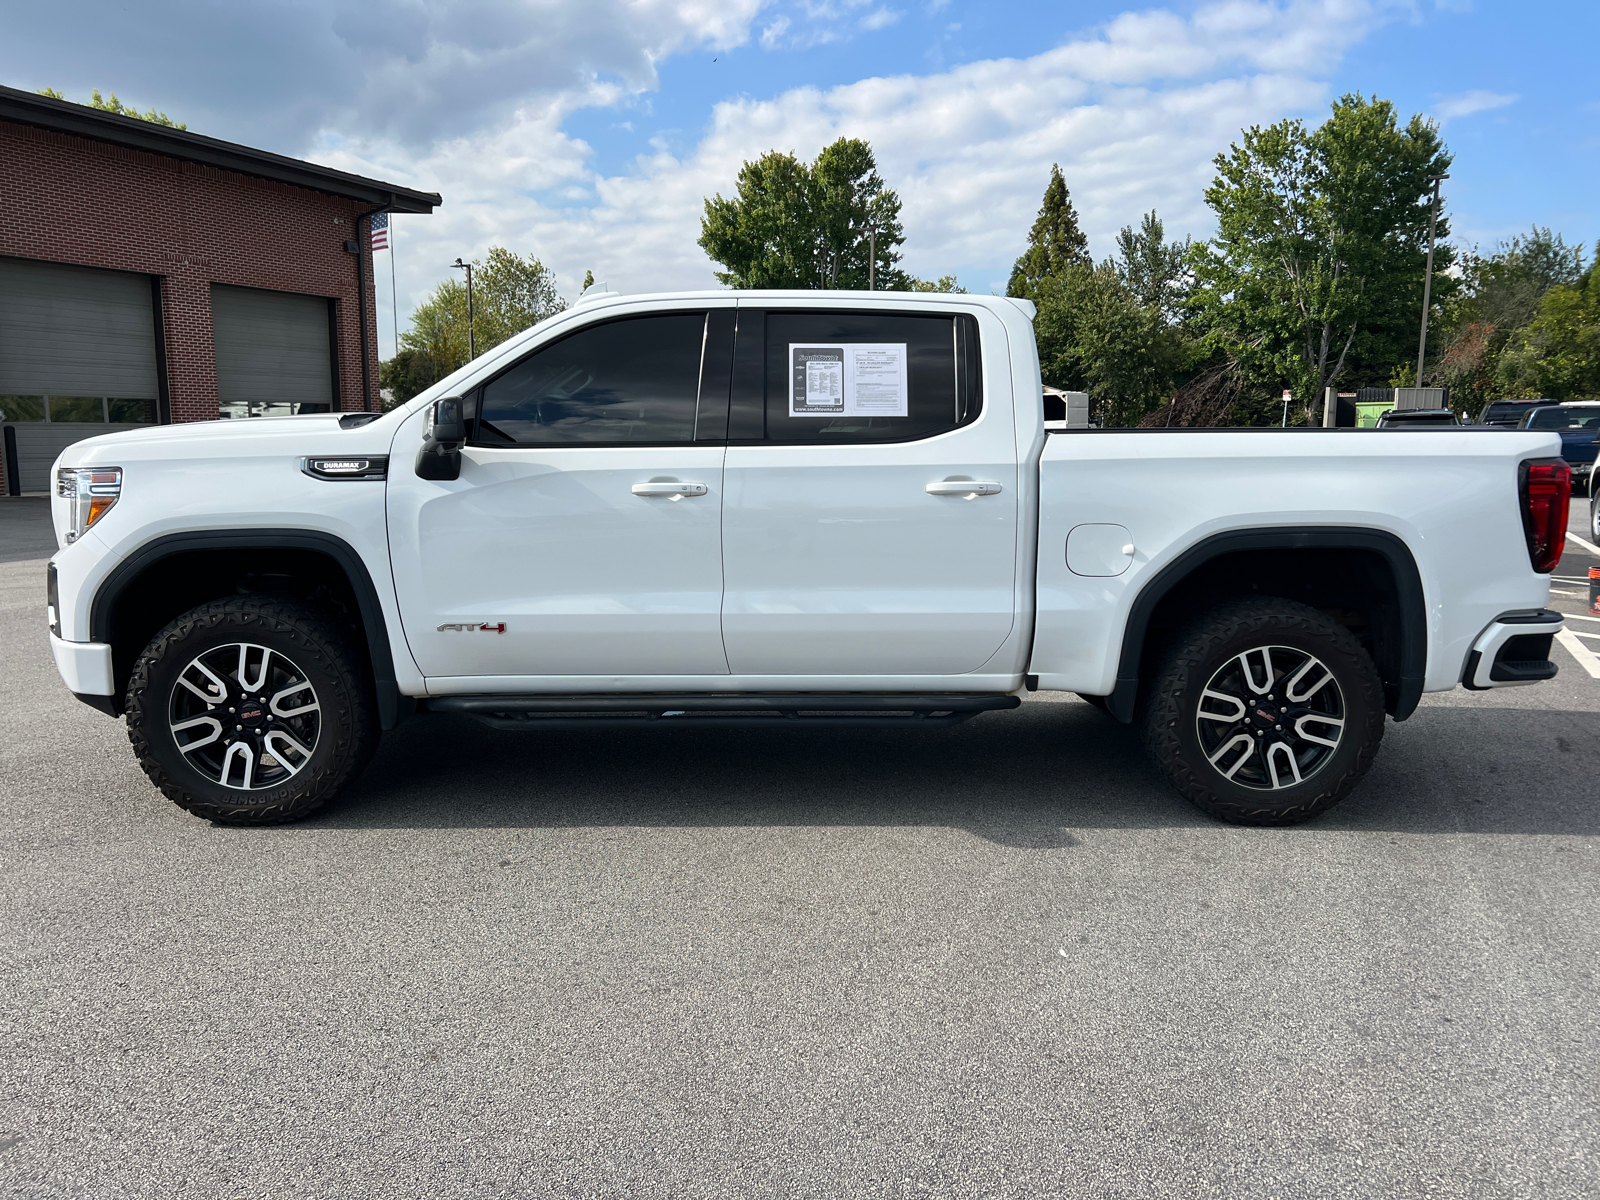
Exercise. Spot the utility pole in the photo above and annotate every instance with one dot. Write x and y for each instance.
(472, 349)
(872, 263)
(1427, 278)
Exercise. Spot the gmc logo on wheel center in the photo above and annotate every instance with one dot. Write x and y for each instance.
(470, 627)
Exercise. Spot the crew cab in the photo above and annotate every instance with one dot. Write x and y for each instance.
(787, 508)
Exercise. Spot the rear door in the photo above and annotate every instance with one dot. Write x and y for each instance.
(870, 525)
(583, 537)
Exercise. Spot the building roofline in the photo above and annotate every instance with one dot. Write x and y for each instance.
(63, 116)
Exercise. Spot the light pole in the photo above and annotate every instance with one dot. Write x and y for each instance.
(472, 349)
(1427, 278)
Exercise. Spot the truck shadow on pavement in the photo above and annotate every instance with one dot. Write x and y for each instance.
(1024, 779)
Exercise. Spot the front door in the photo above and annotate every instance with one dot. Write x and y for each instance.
(584, 535)
(870, 526)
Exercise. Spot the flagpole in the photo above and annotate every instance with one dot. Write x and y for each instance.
(394, 304)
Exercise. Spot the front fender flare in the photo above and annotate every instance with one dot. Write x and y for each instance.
(341, 552)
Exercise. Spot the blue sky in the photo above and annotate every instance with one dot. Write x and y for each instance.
(589, 132)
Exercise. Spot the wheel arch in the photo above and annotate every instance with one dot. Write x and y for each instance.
(1401, 634)
(157, 557)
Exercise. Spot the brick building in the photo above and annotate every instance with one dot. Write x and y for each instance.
(148, 274)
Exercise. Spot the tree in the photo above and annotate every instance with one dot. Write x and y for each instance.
(945, 283)
(114, 105)
(798, 225)
(1096, 336)
(1558, 353)
(1499, 295)
(1054, 243)
(1156, 271)
(1317, 265)
(510, 294)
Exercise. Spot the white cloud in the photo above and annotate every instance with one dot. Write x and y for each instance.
(772, 35)
(1134, 115)
(1467, 103)
(880, 18)
(428, 70)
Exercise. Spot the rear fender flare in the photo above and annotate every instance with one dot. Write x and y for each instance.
(1412, 605)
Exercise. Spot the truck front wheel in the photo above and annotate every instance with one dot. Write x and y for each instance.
(1265, 712)
(250, 711)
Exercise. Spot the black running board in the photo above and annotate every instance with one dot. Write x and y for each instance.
(704, 710)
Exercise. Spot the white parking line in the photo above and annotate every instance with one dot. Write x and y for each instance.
(1585, 656)
(1578, 541)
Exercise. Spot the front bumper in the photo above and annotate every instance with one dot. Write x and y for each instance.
(1513, 650)
(85, 667)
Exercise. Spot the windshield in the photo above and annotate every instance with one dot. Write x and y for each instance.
(1565, 418)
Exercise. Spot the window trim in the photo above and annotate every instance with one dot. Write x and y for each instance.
(747, 410)
(473, 402)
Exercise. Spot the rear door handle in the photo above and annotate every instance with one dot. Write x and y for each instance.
(963, 487)
(669, 488)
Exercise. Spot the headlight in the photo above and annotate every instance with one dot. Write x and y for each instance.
(91, 491)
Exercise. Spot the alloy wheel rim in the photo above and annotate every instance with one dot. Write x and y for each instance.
(1270, 718)
(245, 716)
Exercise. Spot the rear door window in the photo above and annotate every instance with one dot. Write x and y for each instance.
(851, 377)
(629, 382)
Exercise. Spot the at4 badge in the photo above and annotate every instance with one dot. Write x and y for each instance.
(471, 627)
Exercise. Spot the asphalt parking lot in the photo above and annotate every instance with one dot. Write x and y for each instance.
(996, 961)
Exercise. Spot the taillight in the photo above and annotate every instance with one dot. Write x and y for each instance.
(1546, 493)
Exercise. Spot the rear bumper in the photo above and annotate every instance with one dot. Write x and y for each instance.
(1513, 650)
(85, 667)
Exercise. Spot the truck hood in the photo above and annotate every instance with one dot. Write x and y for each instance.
(232, 436)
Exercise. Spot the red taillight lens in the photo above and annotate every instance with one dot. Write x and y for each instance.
(1546, 493)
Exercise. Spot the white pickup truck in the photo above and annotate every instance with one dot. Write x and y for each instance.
(789, 508)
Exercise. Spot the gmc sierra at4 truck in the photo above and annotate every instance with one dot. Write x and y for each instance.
(790, 508)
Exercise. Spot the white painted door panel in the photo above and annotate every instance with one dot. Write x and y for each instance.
(587, 576)
(839, 561)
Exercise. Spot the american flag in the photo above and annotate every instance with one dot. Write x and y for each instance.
(380, 231)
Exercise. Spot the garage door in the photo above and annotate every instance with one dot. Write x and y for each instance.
(274, 355)
(77, 358)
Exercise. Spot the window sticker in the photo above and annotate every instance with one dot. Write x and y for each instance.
(849, 379)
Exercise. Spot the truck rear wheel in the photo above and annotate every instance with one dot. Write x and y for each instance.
(250, 711)
(1265, 712)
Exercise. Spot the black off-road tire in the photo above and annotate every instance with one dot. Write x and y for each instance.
(1192, 661)
(348, 733)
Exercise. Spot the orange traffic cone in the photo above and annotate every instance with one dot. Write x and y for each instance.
(1594, 590)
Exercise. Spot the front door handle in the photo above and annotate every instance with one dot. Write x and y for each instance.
(963, 487)
(670, 488)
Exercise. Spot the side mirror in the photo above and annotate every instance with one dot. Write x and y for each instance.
(446, 432)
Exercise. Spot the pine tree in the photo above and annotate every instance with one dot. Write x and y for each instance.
(1054, 243)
